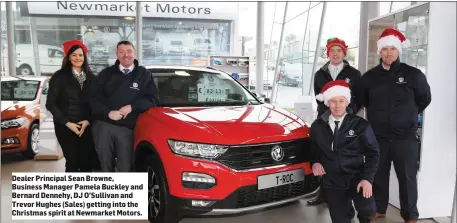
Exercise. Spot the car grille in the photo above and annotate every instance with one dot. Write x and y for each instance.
(258, 156)
(249, 196)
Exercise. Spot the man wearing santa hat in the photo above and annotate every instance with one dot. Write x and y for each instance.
(335, 69)
(345, 152)
(394, 94)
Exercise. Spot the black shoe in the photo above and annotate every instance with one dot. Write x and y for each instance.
(316, 201)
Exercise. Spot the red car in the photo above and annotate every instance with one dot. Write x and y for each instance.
(213, 148)
(21, 114)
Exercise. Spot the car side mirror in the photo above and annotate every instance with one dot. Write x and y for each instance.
(267, 100)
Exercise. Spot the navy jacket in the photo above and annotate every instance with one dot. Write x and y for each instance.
(348, 73)
(394, 98)
(113, 89)
(356, 151)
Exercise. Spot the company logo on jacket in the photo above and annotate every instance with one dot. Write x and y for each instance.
(134, 86)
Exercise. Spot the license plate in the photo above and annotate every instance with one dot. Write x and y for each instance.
(279, 179)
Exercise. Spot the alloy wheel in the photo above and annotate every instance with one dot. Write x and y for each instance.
(35, 140)
(153, 193)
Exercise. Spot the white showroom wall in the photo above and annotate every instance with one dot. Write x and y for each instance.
(438, 158)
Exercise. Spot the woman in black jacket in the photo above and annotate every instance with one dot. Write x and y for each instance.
(68, 101)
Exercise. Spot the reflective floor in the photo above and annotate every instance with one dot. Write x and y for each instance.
(291, 213)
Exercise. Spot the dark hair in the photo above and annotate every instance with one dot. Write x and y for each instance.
(124, 42)
(66, 64)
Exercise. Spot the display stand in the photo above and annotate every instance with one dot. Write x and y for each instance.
(431, 28)
(304, 109)
(236, 66)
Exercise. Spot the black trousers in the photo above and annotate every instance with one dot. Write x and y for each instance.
(78, 151)
(404, 154)
(111, 142)
(341, 191)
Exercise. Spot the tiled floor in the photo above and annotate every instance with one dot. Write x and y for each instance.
(292, 213)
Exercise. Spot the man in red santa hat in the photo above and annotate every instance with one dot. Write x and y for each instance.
(345, 152)
(335, 69)
(394, 94)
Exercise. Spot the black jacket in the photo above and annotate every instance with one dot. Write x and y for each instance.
(356, 151)
(394, 98)
(65, 100)
(113, 90)
(323, 76)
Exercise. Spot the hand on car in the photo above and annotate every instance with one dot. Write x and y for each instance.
(366, 187)
(115, 115)
(126, 110)
(84, 125)
(73, 127)
(318, 169)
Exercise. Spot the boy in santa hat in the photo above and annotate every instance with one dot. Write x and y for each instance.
(394, 94)
(345, 152)
(335, 69)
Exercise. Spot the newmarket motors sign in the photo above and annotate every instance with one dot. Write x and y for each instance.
(194, 10)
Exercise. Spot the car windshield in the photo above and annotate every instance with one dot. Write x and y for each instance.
(178, 88)
(19, 90)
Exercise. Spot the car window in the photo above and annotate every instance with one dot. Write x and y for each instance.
(199, 88)
(19, 90)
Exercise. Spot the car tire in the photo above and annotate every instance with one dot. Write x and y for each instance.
(33, 139)
(25, 70)
(157, 183)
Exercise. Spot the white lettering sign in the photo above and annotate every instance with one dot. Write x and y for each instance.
(197, 10)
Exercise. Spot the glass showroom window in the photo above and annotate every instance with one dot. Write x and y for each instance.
(3, 41)
(180, 42)
(100, 35)
(346, 29)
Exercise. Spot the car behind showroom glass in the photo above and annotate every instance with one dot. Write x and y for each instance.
(199, 88)
(19, 90)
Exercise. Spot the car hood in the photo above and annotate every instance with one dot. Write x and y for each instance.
(233, 125)
(11, 109)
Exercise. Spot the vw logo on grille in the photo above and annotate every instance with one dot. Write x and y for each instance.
(277, 153)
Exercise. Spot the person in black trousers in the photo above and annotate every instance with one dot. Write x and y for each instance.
(345, 152)
(68, 102)
(335, 69)
(121, 92)
(394, 95)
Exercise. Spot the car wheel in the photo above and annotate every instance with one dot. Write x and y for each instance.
(33, 141)
(25, 70)
(159, 208)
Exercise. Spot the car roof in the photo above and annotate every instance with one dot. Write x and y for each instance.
(204, 69)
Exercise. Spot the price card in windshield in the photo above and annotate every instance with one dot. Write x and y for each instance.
(25, 93)
(211, 93)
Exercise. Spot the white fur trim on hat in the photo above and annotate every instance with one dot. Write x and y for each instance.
(320, 97)
(390, 41)
(336, 91)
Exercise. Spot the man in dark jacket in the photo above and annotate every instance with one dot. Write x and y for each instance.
(345, 151)
(394, 94)
(120, 94)
(336, 69)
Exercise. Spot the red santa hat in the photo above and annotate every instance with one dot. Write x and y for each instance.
(67, 45)
(392, 37)
(336, 42)
(334, 89)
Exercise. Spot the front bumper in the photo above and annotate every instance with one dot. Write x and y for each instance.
(17, 140)
(235, 191)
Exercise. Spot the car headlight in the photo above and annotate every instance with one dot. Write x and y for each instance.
(207, 151)
(13, 123)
